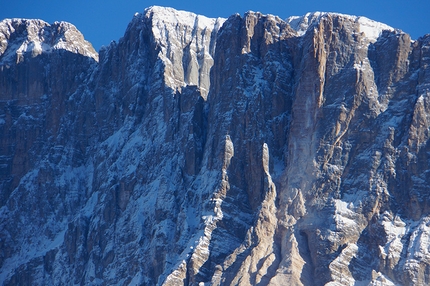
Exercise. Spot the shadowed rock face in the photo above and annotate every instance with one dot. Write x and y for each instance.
(240, 151)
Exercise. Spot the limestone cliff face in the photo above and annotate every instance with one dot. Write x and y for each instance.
(240, 151)
(40, 66)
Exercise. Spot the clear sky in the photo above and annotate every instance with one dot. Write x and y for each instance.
(102, 21)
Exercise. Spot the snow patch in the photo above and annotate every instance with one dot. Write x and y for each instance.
(301, 23)
(395, 229)
(172, 16)
(419, 246)
(344, 215)
(371, 29)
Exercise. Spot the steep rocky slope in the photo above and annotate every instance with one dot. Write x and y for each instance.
(243, 151)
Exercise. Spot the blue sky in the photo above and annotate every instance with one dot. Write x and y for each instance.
(104, 21)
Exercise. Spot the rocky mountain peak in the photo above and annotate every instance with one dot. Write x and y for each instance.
(186, 43)
(21, 38)
(245, 151)
(371, 29)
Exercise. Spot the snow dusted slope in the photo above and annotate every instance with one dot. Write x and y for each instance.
(21, 37)
(239, 151)
(371, 29)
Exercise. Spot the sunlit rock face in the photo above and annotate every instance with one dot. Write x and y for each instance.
(243, 151)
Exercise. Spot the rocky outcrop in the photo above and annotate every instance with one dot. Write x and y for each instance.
(41, 65)
(240, 151)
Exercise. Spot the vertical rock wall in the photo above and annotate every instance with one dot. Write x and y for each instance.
(245, 151)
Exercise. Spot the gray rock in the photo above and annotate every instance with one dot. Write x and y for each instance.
(240, 151)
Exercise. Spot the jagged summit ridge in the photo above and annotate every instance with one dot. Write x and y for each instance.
(187, 44)
(219, 152)
(173, 16)
(371, 29)
(20, 38)
(39, 36)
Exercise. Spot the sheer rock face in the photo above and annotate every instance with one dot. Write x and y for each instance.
(245, 151)
(41, 65)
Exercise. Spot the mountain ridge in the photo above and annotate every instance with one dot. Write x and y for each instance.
(292, 20)
(36, 37)
(238, 152)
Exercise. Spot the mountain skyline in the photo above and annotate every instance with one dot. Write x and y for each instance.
(104, 21)
(202, 151)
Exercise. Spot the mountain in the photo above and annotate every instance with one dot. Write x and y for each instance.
(194, 151)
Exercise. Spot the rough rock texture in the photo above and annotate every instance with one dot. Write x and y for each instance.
(240, 151)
